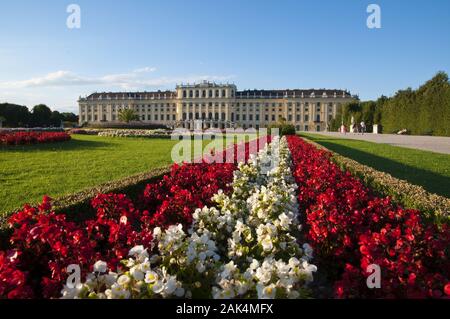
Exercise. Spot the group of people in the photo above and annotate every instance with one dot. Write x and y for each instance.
(356, 128)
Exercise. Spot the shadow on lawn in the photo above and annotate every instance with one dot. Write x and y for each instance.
(431, 181)
(61, 146)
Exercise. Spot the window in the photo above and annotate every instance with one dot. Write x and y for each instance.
(210, 93)
(149, 117)
(237, 117)
(273, 117)
(224, 93)
(266, 117)
(306, 128)
(250, 117)
(197, 93)
(244, 117)
(210, 116)
(306, 118)
(223, 116)
(257, 117)
(174, 117)
(318, 128)
(191, 93)
(191, 116)
(156, 117)
(298, 118)
(184, 116)
(196, 116)
(203, 116)
(216, 116)
(184, 93)
(217, 93)
(167, 117)
(290, 118)
(318, 118)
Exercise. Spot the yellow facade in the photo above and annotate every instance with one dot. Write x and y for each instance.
(207, 105)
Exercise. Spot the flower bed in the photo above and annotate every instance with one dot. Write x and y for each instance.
(25, 138)
(403, 192)
(44, 243)
(244, 246)
(135, 133)
(159, 133)
(350, 228)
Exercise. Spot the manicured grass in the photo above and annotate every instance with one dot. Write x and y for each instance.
(29, 172)
(428, 169)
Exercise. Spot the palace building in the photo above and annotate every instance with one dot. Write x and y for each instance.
(213, 105)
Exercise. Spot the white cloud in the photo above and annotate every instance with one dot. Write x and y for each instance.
(61, 89)
(137, 79)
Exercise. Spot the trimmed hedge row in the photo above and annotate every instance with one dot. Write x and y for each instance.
(408, 195)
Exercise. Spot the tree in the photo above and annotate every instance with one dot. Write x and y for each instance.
(127, 116)
(69, 117)
(41, 115)
(14, 115)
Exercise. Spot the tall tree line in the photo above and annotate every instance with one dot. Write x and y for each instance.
(13, 115)
(424, 111)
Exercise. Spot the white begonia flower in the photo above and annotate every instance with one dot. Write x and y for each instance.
(267, 244)
(157, 232)
(136, 251)
(170, 286)
(100, 266)
(285, 221)
(123, 280)
(137, 273)
(266, 292)
(151, 277)
(158, 287)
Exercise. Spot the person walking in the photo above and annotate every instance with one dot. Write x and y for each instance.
(363, 127)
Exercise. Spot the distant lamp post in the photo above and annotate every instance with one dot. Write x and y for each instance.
(2, 119)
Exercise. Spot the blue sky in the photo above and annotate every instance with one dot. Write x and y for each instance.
(153, 44)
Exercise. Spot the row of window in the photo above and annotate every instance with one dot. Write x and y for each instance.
(149, 117)
(237, 117)
(206, 93)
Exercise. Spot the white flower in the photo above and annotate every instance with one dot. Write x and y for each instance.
(136, 251)
(170, 286)
(157, 232)
(267, 244)
(100, 266)
(158, 287)
(123, 280)
(137, 274)
(266, 292)
(151, 277)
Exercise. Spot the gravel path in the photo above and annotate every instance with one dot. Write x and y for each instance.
(438, 144)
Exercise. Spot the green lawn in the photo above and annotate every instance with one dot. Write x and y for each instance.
(428, 169)
(29, 172)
